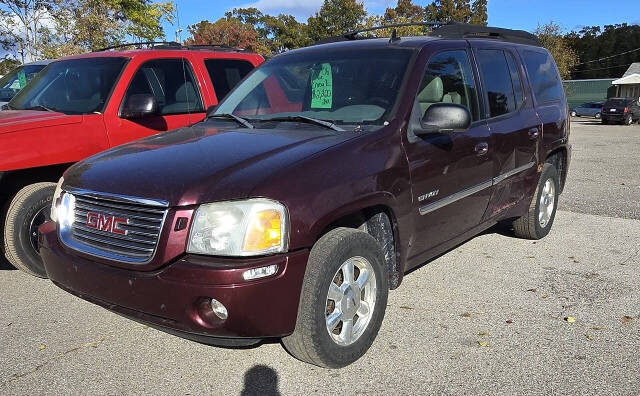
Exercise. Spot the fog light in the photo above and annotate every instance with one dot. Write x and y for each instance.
(260, 272)
(219, 309)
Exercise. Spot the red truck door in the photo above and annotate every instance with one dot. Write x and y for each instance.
(175, 87)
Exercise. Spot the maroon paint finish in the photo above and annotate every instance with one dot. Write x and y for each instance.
(320, 176)
(173, 296)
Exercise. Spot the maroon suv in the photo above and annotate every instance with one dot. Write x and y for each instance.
(314, 186)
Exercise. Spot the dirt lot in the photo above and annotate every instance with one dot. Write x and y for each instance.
(489, 317)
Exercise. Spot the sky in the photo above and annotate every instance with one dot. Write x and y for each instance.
(513, 14)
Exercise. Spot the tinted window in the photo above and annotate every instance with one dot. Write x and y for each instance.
(75, 86)
(171, 82)
(515, 79)
(497, 82)
(226, 73)
(543, 76)
(448, 79)
(342, 86)
(14, 81)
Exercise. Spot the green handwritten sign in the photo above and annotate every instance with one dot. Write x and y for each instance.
(22, 79)
(322, 87)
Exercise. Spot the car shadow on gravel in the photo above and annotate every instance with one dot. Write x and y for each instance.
(4, 264)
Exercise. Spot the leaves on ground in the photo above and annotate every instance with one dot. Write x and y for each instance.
(483, 334)
(532, 290)
(545, 296)
(589, 336)
(42, 347)
(570, 319)
(597, 328)
(466, 314)
(626, 319)
(509, 321)
(406, 307)
(483, 343)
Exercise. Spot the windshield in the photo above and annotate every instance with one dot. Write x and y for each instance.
(75, 86)
(343, 86)
(13, 82)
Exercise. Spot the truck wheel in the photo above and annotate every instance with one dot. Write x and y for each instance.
(29, 209)
(537, 222)
(628, 120)
(597, 116)
(343, 300)
(573, 113)
(605, 121)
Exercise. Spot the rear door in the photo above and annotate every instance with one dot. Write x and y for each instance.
(225, 74)
(450, 173)
(174, 85)
(513, 123)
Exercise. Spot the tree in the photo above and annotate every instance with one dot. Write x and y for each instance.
(230, 32)
(8, 64)
(404, 12)
(458, 11)
(22, 25)
(551, 38)
(336, 17)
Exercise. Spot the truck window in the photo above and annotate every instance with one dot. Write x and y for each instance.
(498, 86)
(515, 79)
(226, 73)
(448, 79)
(171, 82)
(543, 75)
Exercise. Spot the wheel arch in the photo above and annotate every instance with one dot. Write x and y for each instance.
(558, 157)
(378, 220)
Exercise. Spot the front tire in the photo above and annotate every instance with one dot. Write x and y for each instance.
(538, 221)
(597, 116)
(29, 209)
(573, 113)
(343, 300)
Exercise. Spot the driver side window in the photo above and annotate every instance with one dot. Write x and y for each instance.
(448, 79)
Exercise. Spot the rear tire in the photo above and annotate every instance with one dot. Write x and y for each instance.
(324, 279)
(629, 120)
(538, 221)
(29, 208)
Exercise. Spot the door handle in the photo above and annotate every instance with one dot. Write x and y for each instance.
(482, 148)
(534, 133)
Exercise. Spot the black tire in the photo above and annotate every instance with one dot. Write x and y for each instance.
(629, 120)
(310, 341)
(573, 113)
(604, 121)
(529, 225)
(29, 208)
(597, 116)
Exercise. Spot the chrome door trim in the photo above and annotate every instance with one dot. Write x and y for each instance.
(512, 172)
(472, 190)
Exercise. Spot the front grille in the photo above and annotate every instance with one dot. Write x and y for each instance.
(138, 236)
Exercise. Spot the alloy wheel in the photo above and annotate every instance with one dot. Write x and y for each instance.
(351, 300)
(547, 202)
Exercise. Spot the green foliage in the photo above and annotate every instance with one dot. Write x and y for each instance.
(551, 38)
(8, 64)
(336, 17)
(592, 43)
(463, 11)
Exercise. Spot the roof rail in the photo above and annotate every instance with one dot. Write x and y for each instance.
(464, 30)
(447, 30)
(175, 46)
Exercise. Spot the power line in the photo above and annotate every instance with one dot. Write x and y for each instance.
(608, 57)
(603, 68)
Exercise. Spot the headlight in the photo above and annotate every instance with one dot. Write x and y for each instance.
(56, 197)
(239, 228)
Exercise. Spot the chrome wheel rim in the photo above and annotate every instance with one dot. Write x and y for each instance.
(547, 202)
(351, 300)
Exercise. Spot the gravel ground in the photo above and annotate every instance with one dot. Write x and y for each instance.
(490, 317)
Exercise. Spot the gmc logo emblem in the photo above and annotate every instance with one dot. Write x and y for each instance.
(107, 223)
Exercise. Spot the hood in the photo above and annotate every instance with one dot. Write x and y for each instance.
(198, 164)
(19, 120)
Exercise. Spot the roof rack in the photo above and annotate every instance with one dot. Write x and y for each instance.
(446, 30)
(174, 46)
(463, 30)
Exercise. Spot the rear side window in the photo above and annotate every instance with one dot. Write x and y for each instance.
(497, 82)
(171, 82)
(543, 75)
(515, 79)
(226, 73)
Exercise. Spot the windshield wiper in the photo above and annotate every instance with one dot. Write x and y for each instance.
(309, 120)
(234, 117)
(41, 108)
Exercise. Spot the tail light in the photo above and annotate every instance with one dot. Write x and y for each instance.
(626, 109)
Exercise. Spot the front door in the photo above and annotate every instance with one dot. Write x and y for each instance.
(173, 84)
(450, 173)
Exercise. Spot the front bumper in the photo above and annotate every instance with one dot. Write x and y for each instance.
(176, 298)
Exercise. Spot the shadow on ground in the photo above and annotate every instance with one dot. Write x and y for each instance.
(260, 380)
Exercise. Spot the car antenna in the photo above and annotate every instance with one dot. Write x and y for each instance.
(394, 36)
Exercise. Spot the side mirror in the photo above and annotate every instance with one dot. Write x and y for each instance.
(211, 110)
(139, 105)
(444, 118)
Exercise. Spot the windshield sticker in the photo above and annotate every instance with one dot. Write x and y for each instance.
(22, 79)
(322, 87)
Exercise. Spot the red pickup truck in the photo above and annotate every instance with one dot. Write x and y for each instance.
(84, 104)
